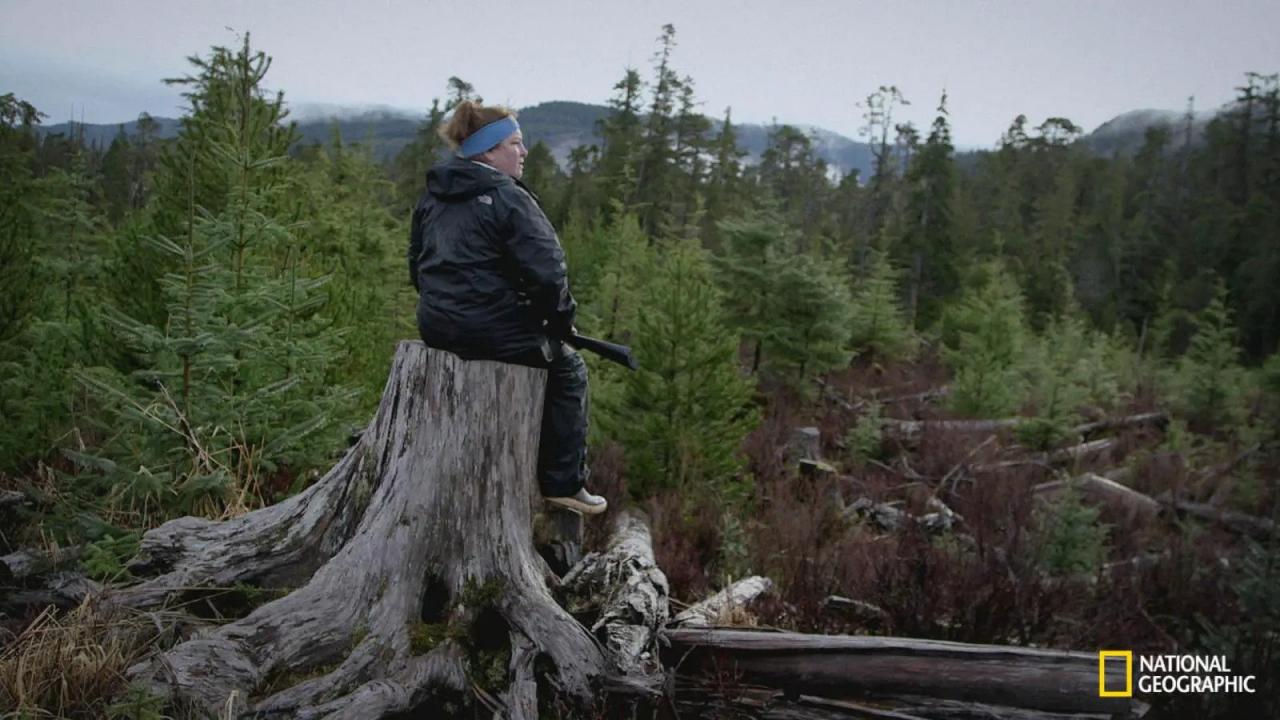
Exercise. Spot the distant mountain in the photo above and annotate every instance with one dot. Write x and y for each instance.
(102, 135)
(561, 125)
(565, 125)
(1125, 133)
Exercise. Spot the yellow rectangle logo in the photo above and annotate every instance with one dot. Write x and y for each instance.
(1127, 656)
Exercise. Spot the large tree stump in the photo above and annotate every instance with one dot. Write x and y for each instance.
(415, 555)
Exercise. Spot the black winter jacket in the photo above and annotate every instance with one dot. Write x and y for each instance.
(487, 265)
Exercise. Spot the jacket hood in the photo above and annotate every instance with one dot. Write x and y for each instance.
(459, 179)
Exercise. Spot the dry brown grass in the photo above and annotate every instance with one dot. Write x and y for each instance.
(72, 664)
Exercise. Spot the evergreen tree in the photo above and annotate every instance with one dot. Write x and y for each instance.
(19, 288)
(984, 343)
(879, 329)
(353, 237)
(755, 251)
(1067, 367)
(51, 254)
(410, 166)
(622, 134)
(927, 235)
(610, 264)
(116, 185)
(684, 414)
(233, 384)
(1048, 284)
(723, 187)
(656, 156)
(543, 175)
(791, 308)
(687, 183)
(812, 331)
(581, 191)
(1208, 381)
(792, 174)
(877, 115)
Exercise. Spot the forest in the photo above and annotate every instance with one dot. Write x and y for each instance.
(1030, 396)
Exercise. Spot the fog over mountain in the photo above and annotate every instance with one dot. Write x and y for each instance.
(564, 125)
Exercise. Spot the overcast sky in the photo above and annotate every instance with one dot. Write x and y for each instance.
(799, 61)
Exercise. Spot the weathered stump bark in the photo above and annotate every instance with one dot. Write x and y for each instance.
(417, 562)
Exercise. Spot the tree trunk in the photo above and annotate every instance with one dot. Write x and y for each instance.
(627, 595)
(902, 669)
(419, 583)
(1106, 491)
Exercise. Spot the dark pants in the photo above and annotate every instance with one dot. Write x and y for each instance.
(562, 448)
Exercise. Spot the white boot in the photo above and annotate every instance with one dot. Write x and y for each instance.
(583, 502)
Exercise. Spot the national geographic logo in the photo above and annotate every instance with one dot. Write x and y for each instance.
(1161, 674)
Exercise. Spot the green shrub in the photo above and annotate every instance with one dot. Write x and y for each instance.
(1069, 538)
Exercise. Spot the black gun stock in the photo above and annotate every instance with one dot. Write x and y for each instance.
(620, 354)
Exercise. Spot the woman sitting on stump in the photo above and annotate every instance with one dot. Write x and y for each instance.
(492, 284)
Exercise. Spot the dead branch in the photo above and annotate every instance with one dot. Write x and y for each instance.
(738, 595)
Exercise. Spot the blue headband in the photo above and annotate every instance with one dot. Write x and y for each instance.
(486, 137)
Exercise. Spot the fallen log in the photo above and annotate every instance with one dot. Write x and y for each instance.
(843, 667)
(1159, 419)
(11, 498)
(1237, 522)
(916, 427)
(913, 428)
(1104, 491)
(21, 564)
(705, 700)
(34, 579)
(858, 609)
(926, 396)
(710, 611)
(1075, 453)
(627, 594)
(887, 516)
(426, 581)
(1071, 454)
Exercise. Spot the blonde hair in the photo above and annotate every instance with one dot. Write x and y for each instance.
(469, 117)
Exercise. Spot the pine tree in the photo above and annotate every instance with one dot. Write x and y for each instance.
(412, 162)
(1208, 380)
(609, 264)
(791, 308)
(116, 185)
(1048, 284)
(652, 197)
(878, 109)
(724, 178)
(927, 235)
(622, 133)
(52, 254)
(879, 330)
(543, 176)
(684, 414)
(1066, 368)
(792, 174)
(19, 287)
(686, 185)
(233, 380)
(812, 331)
(353, 237)
(984, 343)
(755, 251)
